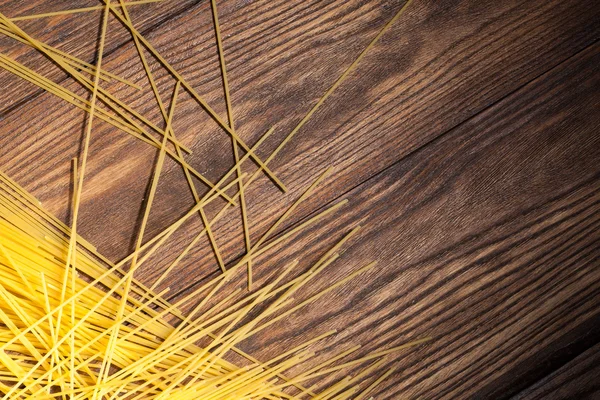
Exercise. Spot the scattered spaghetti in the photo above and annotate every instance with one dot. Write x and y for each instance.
(75, 325)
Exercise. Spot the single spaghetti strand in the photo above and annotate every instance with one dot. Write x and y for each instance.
(78, 10)
(73, 276)
(53, 333)
(234, 142)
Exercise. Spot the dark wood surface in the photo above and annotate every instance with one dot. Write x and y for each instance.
(467, 144)
(577, 379)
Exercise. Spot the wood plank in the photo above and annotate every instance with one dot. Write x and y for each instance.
(76, 34)
(529, 372)
(360, 144)
(577, 379)
(488, 239)
(431, 205)
(196, 60)
(441, 64)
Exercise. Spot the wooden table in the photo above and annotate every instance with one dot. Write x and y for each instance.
(467, 143)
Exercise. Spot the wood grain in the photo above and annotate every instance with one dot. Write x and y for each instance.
(467, 143)
(487, 239)
(76, 34)
(421, 87)
(577, 379)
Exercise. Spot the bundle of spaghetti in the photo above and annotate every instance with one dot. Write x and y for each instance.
(40, 337)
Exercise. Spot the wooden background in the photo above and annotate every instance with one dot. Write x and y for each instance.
(467, 143)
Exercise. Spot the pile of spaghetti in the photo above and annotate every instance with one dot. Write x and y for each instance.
(75, 325)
